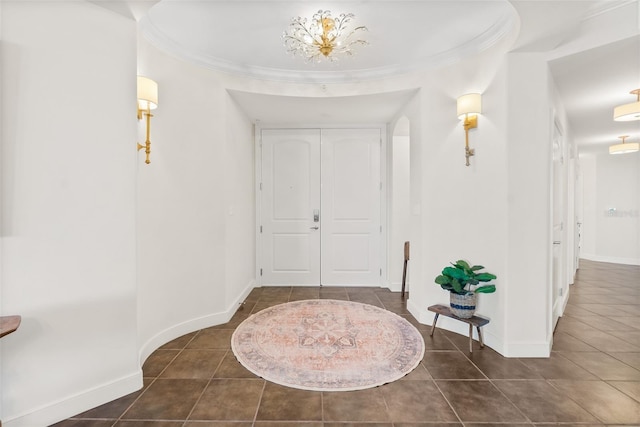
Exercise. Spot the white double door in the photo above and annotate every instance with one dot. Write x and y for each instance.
(320, 207)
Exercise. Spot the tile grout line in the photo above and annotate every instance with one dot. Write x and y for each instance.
(120, 418)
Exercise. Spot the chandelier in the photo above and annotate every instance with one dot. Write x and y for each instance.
(322, 37)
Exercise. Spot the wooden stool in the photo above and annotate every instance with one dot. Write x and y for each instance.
(476, 321)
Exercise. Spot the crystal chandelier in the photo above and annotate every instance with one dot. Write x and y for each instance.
(322, 37)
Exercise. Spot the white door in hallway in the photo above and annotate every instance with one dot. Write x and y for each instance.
(320, 207)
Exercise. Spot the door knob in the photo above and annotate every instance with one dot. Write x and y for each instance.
(313, 228)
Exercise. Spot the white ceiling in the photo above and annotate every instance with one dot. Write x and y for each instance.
(343, 110)
(244, 36)
(591, 84)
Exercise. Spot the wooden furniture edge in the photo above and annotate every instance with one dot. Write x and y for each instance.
(9, 324)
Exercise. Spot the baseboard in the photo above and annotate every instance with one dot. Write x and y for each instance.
(397, 286)
(419, 312)
(192, 325)
(611, 260)
(70, 406)
(528, 349)
(82, 401)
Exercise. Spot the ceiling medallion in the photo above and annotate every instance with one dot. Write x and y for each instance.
(322, 37)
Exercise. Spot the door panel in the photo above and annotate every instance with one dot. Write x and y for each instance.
(290, 194)
(350, 245)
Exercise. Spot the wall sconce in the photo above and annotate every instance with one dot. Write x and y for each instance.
(628, 112)
(469, 106)
(147, 101)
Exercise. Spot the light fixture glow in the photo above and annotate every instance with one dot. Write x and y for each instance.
(147, 101)
(147, 94)
(628, 112)
(624, 147)
(470, 103)
(468, 107)
(322, 37)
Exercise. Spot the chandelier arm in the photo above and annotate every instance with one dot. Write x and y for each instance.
(313, 36)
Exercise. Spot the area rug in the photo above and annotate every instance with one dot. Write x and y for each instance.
(327, 345)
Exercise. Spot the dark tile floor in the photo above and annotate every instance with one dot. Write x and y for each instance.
(591, 379)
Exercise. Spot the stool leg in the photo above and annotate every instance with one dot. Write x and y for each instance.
(480, 336)
(435, 320)
(470, 338)
(404, 277)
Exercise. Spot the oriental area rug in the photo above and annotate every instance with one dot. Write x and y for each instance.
(327, 345)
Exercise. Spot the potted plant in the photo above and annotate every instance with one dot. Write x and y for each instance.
(464, 282)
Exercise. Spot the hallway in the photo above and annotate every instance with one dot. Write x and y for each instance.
(591, 379)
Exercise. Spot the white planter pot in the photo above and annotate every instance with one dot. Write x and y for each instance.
(463, 306)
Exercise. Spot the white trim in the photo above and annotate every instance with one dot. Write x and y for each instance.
(610, 259)
(601, 7)
(528, 349)
(384, 205)
(257, 157)
(192, 325)
(64, 408)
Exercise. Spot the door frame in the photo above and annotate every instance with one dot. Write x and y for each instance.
(384, 217)
(558, 183)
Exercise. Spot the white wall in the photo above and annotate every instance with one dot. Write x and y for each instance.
(611, 182)
(68, 199)
(400, 203)
(240, 237)
(463, 209)
(530, 121)
(195, 204)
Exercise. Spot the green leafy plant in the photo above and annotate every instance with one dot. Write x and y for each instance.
(462, 278)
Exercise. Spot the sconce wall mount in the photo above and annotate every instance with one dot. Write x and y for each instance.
(147, 101)
(468, 107)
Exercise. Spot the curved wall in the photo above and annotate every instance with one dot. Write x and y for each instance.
(195, 204)
(68, 209)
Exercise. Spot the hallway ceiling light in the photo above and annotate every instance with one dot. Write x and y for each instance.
(623, 148)
(323, 36)
(628, 112)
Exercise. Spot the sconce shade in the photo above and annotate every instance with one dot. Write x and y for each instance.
(470, 103)
(147, 93)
